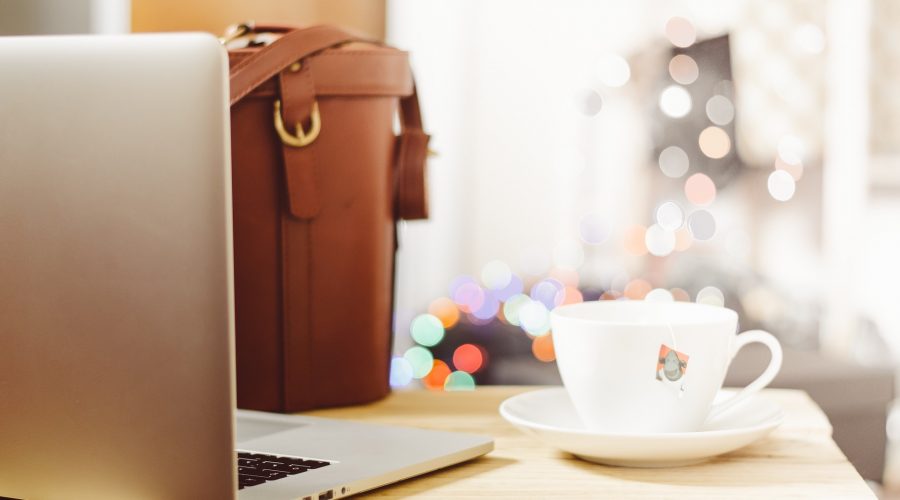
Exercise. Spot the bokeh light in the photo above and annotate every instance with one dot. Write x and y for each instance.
(702, 225)
(545, 292)
(683, 239)
(459, 381)
(720, 110)
(673, 162)
(488, 309)
(469, 296)
(568, 277)
(514, 287)
(714, 142)
(420, 361)
(468, 358)
(496, 274)
(781, 185)
(594, 228)
(427, 330)
(680, 32)
(683, 69)
(458, 282)
(634, 240)
(681, 295)
(791, 149)
(445, 310)
(669, 216)
(542, 348)
(534, 318)
(588, 102)
(660, 242)
(613, 70)
(610, 295)
(700, 190)
(637, 289)
(659, 295)
(436, 376)
(795, 169)
(401, 372)
(569, 295)
(512, 307)
(675, 101)
(712, 296)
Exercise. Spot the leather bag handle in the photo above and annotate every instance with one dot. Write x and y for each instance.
(296, 44)
(291, 47)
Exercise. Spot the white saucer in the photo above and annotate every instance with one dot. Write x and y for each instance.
(548, 414)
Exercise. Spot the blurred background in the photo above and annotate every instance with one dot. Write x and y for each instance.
(741, 154)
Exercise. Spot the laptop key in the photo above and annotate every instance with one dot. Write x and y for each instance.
(312, 464)
(258, 468)
(261, 473)
(244, 480)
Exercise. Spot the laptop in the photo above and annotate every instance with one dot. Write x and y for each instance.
(116, 301)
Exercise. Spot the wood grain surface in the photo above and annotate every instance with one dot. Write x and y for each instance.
(798, 460)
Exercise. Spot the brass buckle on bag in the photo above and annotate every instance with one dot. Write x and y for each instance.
(302, 138)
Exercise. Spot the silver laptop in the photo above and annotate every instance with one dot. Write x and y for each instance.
(116, 317)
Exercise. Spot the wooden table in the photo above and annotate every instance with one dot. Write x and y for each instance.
(798, 460)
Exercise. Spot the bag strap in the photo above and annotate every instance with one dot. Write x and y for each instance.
(291, 47)
(298, 94)
(411, 190)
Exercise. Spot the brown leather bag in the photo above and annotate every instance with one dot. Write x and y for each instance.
(319, 179)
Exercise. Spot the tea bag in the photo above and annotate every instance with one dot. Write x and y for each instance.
(671, 365)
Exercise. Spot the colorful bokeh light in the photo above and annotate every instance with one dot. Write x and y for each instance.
(512, 307)
(680, 32)
(469, 296)
(542, 348)
(427, 330)
(534, 318)
(714, 142)
(420, 360)
(634, 240)
(569, 295)
(445, 310)
(437, 376)
(683, 69)
(514, 287)
(459, 381)
(468, 358)
(700, 189)
(496, 274)
(401, 372)
(637, 289)
(545, 292)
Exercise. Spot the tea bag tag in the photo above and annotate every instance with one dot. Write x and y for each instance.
(671, 366)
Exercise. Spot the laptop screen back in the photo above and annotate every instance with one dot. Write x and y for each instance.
(115, 267)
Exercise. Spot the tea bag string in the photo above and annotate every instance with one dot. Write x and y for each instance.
(672, 335)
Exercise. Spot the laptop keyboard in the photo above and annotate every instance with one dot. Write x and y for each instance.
(257, 468)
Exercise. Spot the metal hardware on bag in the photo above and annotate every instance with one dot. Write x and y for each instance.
(295, 67)
(236, 31)
(302, 138)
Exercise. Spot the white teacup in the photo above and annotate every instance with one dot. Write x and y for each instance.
(648, 367)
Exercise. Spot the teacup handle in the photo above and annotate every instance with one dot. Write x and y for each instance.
(763, 380)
